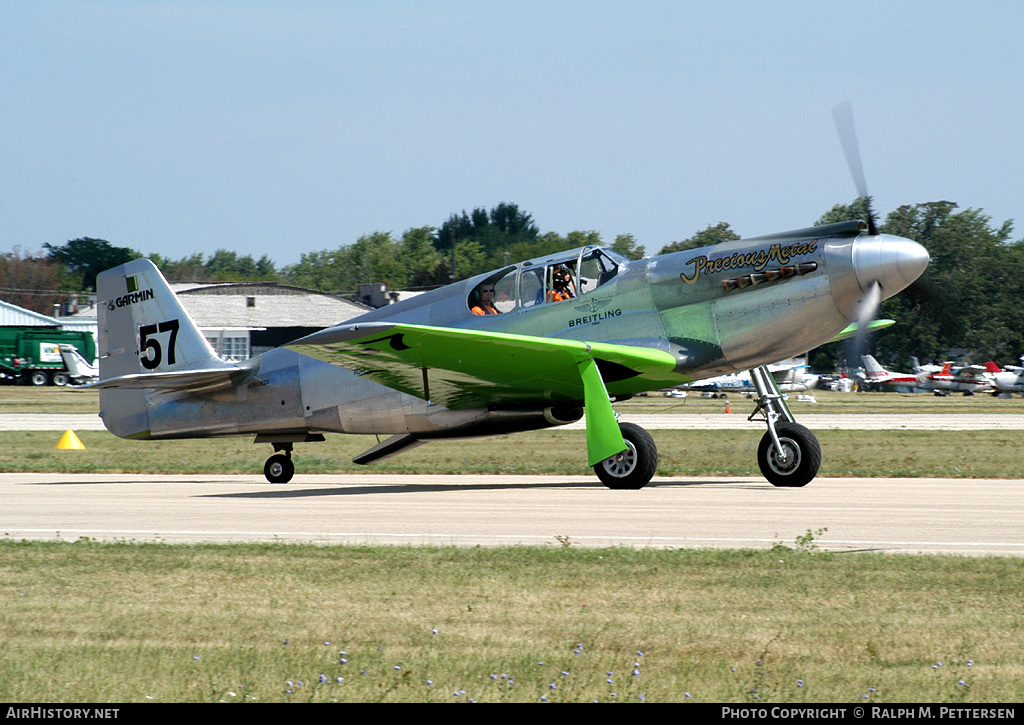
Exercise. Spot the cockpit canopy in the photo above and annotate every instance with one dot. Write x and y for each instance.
(545, 280)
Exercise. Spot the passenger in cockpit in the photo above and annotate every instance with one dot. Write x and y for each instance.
(561, 280)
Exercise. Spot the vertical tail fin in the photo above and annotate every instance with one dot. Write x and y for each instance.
(872, 366)
(78, 367)
(148, 343)
(142, 326)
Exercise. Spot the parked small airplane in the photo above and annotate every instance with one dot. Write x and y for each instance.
(1011, 379)
(968, 380)
(560, 338)
(80, 370)
(789, 375)
(878, 375)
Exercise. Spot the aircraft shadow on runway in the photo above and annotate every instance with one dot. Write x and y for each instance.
(365, 490)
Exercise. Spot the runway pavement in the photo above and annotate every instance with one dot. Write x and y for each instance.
(680, 421)
(964, 516)
(958, 516)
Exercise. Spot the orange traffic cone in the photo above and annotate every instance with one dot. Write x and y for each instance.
(69, 441)
(727, 408)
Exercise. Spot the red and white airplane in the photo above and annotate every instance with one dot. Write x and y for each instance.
(878, 375)
(968, 380)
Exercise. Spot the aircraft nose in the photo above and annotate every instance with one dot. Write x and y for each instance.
(893, 262)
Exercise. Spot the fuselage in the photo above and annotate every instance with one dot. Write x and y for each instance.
(965, 382)
(717, 309)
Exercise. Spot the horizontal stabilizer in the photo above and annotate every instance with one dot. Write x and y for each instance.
(196, 381)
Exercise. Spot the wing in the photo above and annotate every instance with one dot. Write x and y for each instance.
(470, 368)
(971, 371)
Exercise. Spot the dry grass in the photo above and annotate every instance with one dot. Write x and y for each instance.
(990, 454)
(122, 623)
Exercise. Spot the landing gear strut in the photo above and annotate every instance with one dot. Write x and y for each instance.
(789, 455)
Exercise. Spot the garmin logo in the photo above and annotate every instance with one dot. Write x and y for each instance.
(130, 299)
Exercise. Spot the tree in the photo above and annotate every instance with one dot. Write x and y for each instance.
(497, 232)
(969, 297)
(625, 244)
(546, 244)
(854, 211)
(374, 257)
(89, 257)
(228, 266)
(713, 234)
(186, 269)
(421, 258)
(324, 270)
(32, 282)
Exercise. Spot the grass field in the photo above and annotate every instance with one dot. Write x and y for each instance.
(89, 622)
(941, 454)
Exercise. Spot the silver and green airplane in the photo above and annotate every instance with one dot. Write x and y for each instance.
(564, 337)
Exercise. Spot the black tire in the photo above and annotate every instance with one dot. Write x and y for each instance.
(39, 378)
(279, 469)
(803, 461)
(61, 379)
(633, 468)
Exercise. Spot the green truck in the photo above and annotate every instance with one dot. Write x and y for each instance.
(31, 356)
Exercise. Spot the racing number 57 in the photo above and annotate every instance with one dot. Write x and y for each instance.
(147, 343)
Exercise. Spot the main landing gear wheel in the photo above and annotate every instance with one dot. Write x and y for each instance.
(279, 469)
(634, 467)
(798, 462)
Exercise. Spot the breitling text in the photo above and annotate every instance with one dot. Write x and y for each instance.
(594, 319)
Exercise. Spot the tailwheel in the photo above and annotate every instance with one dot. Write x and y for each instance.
(797, 463)
(279, 468)
(634, 467)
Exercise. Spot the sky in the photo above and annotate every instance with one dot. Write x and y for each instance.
(280, 128)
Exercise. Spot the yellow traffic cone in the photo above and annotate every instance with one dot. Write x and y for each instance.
(69, 441)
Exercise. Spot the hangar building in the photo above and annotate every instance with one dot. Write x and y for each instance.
(248, 318)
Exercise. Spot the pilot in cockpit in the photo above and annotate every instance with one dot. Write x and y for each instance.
(485, 300)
